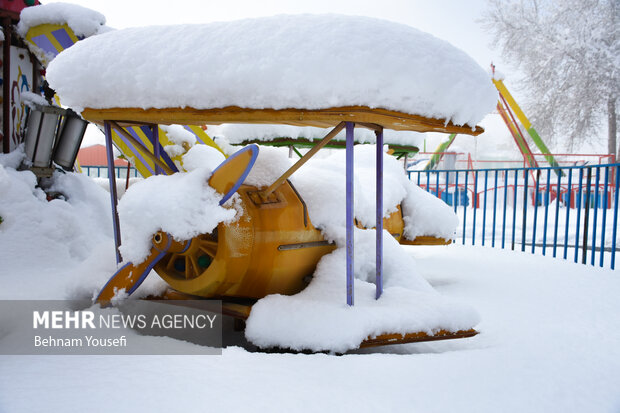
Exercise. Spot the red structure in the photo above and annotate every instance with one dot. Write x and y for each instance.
(96, 156)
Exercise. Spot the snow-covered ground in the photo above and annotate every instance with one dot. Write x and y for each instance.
(548, 342)
(548, 333)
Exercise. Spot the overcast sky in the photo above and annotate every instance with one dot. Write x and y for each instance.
(451, 20)
(456, 21)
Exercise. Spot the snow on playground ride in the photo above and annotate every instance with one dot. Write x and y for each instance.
(273, 247)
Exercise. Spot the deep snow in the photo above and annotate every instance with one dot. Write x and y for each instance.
(549, 342)
(548, 335)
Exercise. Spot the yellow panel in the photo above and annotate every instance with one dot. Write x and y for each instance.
(202, 135)
(145, 165)
(134, 155)
(46, 30)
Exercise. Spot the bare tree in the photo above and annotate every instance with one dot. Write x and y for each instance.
(569, 54)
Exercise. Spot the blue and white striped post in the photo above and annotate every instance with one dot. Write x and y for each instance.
(112, 181)
(349, 217)
(379, 216)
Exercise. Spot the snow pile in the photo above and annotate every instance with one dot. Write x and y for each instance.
(183, 205)
(321, 184)
(201, 156)
(425, 215)
(270, 164)
(286, 61)
(318, 318)
(31, 99)
(84, 22)
(51, 238)
(180, 140)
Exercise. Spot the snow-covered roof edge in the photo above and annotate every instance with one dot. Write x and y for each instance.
(83, 21)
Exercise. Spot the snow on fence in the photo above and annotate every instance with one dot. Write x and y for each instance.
(568, 212)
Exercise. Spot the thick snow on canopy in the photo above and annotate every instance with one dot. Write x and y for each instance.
(286, 61)
(84, 22)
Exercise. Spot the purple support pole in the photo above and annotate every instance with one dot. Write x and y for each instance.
(113, 198)
(379, 222)
(156, 151)
(349, 223)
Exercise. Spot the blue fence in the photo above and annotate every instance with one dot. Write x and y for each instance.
(568, 212)
(102, 171)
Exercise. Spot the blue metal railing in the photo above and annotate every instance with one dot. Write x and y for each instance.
(572, 205)
(102, 171)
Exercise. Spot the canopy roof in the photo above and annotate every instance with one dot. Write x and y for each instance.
(304, 70)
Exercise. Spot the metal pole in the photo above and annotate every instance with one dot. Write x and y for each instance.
(547, 201)
(475, 196)
(349, 216)
(514, 209)
(379, 222)
(465, 207)
(536, 195)
(494, 208)
(113, 198)
(586, 216)
(579, 198)
(524, 214)
(504, 212)
(594, 220)
(127, 178)
(615, 225)
(484, 207)
(569, 200)
(604, 223)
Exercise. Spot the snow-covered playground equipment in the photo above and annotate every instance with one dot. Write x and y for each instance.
(333, 72)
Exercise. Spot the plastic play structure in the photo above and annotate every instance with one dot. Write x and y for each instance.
(274, 247)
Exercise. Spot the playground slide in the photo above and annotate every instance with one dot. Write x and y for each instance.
(438, 154)
(505, 94)
(506, 106)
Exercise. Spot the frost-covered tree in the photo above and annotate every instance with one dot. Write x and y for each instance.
(569, 54)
